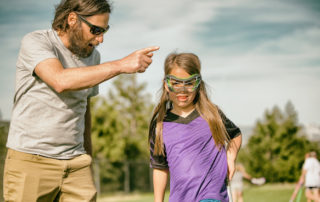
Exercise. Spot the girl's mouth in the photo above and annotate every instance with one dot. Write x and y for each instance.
(182, 98)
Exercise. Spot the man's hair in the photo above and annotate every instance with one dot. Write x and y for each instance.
(82, 7)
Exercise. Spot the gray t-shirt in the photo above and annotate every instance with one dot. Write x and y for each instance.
(45, 122)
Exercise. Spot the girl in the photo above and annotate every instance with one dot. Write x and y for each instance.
(187, 137)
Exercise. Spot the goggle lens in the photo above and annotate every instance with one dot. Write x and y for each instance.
(178, 85)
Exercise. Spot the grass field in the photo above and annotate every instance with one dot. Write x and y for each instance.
(265, 193)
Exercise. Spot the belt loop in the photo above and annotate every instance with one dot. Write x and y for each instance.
(36, 157)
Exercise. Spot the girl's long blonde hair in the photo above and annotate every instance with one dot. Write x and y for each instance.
(207, 110)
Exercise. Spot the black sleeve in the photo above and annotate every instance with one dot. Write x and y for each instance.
(232, 130)
(156, 161)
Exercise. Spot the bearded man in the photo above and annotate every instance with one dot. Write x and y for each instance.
(57, 71)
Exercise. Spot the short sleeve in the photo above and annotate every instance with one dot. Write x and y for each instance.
(232, 130)
(35, 48)
(156, 161)
(306, 164)
(94, 91)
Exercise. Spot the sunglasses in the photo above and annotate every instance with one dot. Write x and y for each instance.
(95, 30)
(178, 85)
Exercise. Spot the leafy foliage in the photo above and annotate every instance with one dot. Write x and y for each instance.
(277, 147)
(120, 124)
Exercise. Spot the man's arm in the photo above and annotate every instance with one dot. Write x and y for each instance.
(87, 130)
(60, 79)
(232, 152)
(159, 183)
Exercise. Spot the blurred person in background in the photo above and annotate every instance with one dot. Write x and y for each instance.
(311, 177)
(236, 183)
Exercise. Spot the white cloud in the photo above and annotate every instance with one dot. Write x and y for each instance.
(248, 83)
(244, 82)
(250, 68)
(281, 12)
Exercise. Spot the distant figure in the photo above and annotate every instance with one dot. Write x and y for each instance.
(311, 177)
(237, 182)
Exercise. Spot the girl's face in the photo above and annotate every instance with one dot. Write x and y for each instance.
(182, 100)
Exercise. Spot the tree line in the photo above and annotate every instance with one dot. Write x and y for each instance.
(120, 121)
(277, 147)
(275, 150)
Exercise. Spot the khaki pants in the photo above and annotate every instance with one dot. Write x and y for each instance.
(31, 178)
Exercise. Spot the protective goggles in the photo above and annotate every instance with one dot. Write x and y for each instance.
(178, 85)
(95, 30)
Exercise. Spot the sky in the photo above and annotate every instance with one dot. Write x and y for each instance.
(254, 54)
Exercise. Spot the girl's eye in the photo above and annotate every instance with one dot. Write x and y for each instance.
(175, 83)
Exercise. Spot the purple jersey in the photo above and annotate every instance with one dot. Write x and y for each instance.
(198, 169)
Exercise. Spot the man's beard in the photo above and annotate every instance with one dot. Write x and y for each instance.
(78, 45)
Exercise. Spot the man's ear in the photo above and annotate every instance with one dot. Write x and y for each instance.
(72, 19)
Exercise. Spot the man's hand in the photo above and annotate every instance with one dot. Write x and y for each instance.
(137, 61)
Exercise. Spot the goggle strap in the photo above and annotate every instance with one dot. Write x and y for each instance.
(197, 76)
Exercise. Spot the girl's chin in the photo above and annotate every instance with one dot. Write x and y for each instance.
(182, 100)
(183, 104)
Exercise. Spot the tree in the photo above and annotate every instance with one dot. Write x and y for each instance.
(276, 149)
(120, 124)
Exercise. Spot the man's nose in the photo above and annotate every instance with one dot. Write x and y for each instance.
(99, 38)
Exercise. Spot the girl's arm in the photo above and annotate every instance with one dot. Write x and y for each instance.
(232, 152)
(302, 177)
(159, 184)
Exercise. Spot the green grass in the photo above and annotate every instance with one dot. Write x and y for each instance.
(270, 193)
(265, 193)
(135, 197)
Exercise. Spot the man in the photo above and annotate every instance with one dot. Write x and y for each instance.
(58, 70)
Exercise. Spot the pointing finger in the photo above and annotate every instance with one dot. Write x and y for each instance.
(149, 49)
